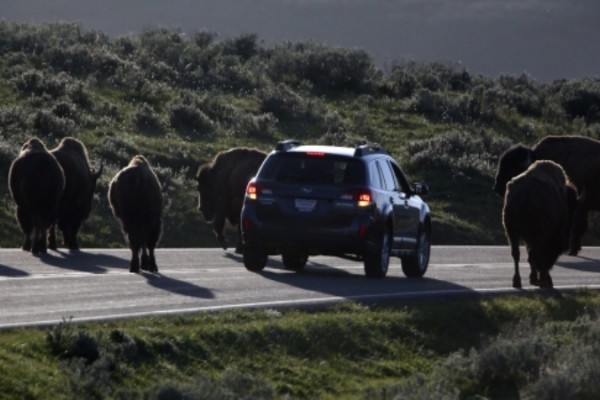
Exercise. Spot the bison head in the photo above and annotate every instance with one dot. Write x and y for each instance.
(513, 161)
(33, 144)
(205, 192)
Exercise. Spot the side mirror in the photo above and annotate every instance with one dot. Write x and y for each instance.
(421, 189)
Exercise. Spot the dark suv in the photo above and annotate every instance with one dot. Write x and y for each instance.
(353, 203)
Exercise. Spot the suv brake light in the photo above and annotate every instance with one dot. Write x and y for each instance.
(252, 191)
(315, 154)
(363, 198)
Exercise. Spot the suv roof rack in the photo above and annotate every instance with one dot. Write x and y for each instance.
(369, 148)
(286, 145)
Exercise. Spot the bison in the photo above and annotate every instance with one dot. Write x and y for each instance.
(222, 185)
(80, 182)
(135, 197)
(538, 208)
(36, 183)
(580, 159)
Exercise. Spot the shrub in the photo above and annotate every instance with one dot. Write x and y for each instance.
(146, 119)
(582, 99)
(283, 102)
(405, 79)
(64, 341)
(189, 118)
(46, 123)
(244, 46)
(255, 126)
(457, 150)
(325, 67)
(38, 83)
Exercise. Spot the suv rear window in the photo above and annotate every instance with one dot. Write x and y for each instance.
(320, 169)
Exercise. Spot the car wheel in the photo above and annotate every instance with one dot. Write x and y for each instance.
(377, 260)
(255, 258)
(294, 260)
(415, 265)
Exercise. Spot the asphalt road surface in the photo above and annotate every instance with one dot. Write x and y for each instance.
(96, 284)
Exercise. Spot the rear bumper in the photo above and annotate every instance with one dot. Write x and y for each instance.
(274, 238)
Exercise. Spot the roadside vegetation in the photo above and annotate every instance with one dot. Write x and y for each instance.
(179, 99)
(535, 346)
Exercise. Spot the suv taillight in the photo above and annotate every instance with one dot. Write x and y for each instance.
(252, 191)
(363, 198)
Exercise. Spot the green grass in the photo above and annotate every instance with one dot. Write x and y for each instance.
(488, 347)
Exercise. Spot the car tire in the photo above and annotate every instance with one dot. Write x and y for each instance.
(415, 265)
(377, 260)
(255, 259)
(294, 260)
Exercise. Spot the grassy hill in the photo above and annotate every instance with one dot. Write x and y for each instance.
(179, 99)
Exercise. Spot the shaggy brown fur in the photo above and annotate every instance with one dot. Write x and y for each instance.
(538, 208)
(36, 182)
(580, 158)
(80, 183)
(222, 185)
(135, 196)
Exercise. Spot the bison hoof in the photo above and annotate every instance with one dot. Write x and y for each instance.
(534, 281)
(517, 282)
(573, 252)
(134, 266)
(150, 268)
(239, 249)
(546, 283)
(222, 242)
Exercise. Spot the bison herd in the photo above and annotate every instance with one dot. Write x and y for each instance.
(53, 188)
(548, 191)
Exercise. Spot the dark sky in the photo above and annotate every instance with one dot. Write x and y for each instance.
(548, 39)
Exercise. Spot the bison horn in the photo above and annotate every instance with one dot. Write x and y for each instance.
(99, 172)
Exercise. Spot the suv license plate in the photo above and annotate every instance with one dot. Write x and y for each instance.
(306, 205)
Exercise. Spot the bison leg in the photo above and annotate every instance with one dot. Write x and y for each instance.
(516, 254)
(39, 241)
(134, 265)
(145, 261)
(534, 278)
(70, 239)
(546, 280)
(218, 226)
(148, 261)
(26, 227)
(239, 248)
(52, 238)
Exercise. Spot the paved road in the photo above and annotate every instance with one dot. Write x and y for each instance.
(96, 283)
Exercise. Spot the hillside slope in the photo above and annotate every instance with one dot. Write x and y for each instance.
(179, 99)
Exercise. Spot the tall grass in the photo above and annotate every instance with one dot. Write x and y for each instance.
(535, 346)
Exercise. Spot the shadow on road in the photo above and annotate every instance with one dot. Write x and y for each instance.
(274, 263)
(11, 272)
(332, 281)
(177, 286)
(83, 261)
(580, 263)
